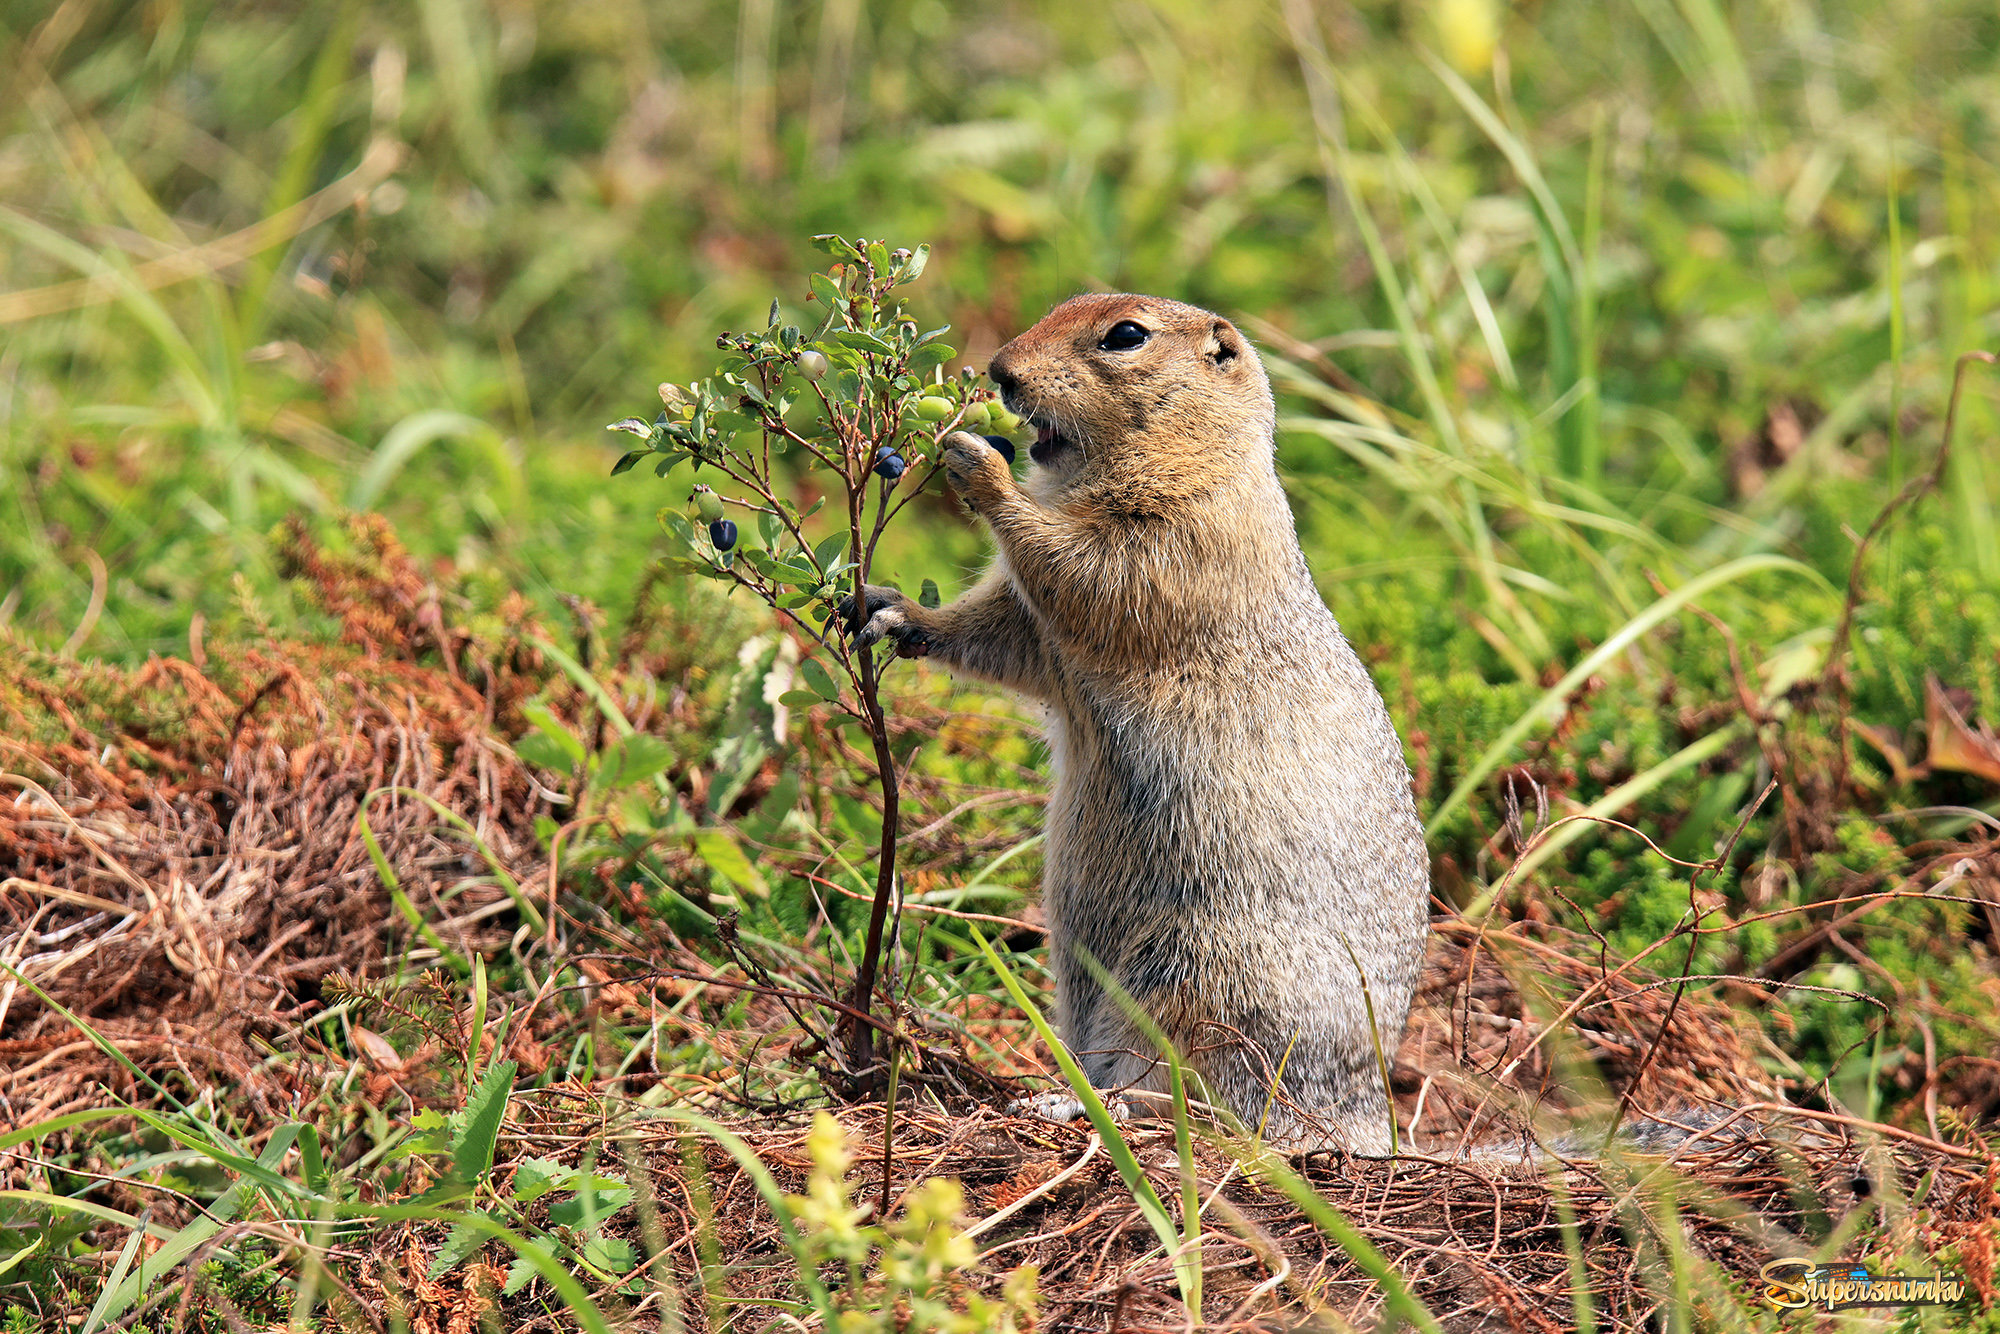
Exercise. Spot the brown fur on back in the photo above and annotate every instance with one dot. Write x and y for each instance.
(1231, 829)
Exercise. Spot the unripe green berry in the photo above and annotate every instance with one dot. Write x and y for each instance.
(812, 364)
(708, 504)
(934, 409)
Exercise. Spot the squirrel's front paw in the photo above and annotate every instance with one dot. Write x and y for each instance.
(893, 624)
(886, 618)
(874, 598)
(978, 472)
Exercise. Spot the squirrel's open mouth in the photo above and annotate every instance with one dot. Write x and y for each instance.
(1049, 442)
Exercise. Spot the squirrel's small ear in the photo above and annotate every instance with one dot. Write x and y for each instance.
(1225, 345)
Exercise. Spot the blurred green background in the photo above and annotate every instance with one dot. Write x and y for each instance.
(1599, 287)
(1568, 303)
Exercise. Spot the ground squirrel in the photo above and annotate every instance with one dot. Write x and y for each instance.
(1231, 829)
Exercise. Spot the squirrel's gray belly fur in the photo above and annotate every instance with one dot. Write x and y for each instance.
(1228, 844)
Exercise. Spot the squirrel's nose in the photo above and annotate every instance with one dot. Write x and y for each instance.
(1002, 377)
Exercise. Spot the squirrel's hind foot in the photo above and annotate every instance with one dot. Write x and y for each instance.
(1064, 1107)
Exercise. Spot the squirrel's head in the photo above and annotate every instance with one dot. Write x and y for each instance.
(1162, 394)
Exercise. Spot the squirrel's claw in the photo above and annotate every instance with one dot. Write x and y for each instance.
(874, 600)
(977, 470)
(885, 619)
(892, 623)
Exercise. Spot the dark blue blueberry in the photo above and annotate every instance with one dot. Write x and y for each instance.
(889, 464)
(1003, 444)
(723, 533)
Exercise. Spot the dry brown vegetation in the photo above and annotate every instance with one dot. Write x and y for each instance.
(188, 872)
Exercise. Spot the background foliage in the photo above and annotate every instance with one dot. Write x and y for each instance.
(1570, 305)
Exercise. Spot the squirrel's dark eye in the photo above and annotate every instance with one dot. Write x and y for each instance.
(1124, 336)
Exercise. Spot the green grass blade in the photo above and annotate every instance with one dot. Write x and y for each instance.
(401, 443)
(97, 1039)
(1187, 1256)
(1401, 1303)
(760, 1178)
(501, 875)
(310, 122)
(1542, 709)
(394, 884)
(1695, 752)
(1127, 1163)
(26, 1253)
(98, 1312)
(85, 1207)
(118, 1297)
(575, 1300)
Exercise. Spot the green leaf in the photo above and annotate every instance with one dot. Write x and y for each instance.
(837, 246)
(863, 341)
(769, 528)
(553, 730)
(611, 1253)
(826, 290)
(632, 426)
(680, 533)
(798, 576)
(542, 752)
(633, 759)
(800, 699)
(927, 596)
(931, 354)
(536, 1177)
(914, 269)
(720, 851)
(460, 1242)
(829, 551)
(607, 1196)
(518, 1275)
(627, 462)
(846, 386)
(878, 257)
(479, 1123)
(817, 678)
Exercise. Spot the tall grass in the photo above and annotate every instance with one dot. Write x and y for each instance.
(1598, 261)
